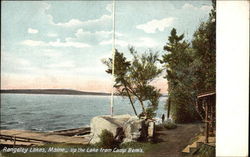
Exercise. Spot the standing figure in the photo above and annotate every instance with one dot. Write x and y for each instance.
(163, 117)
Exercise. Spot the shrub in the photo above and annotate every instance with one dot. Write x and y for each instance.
(107, 140)
(170, 125)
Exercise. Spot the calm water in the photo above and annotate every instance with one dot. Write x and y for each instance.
(54, 112)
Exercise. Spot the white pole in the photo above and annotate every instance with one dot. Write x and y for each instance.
(113, 61)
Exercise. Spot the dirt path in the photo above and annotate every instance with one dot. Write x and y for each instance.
(174, 141)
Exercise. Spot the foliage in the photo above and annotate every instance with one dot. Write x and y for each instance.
(107, 140)
(179, 75)
(169, 125)
(204, 46)
(190, 68)
(165, 125)
(120, 73)
(133, 78)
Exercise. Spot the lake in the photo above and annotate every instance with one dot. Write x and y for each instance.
(41, 112)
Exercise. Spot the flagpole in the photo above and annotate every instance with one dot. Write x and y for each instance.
(113, 62)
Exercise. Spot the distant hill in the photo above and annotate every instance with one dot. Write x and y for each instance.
(51, 91)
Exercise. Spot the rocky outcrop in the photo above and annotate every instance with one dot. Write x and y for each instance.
(133, 129)
(100, 123)
(125, 128)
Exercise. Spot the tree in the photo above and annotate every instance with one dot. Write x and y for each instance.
(204, 46)
(177, 62)
(120, 73)
(133, 78)
(142, 72)
(190, 68)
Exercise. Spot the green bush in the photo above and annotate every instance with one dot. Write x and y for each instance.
(169, 125)
(107, 140)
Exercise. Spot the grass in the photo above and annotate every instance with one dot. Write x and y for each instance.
(146, 146)
(166, 125)
(170, 125)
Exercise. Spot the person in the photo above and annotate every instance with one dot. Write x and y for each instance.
(163, 117)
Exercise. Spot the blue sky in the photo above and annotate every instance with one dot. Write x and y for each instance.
(60, 44)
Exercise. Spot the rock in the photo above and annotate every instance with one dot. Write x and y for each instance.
(151, 129)
(157, 121)
(100, 123)
(125, 128)
(133, 129)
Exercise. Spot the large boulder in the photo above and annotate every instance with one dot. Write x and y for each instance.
(134, 129)
(150, 129)
(111, 123)
(125, 128)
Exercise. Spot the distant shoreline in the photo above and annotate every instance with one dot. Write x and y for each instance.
(51, 91)
(55, 92)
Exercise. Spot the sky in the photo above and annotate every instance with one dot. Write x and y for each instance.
(60, 44)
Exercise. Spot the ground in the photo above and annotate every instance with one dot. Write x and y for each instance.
(170, 144)
(174, 141)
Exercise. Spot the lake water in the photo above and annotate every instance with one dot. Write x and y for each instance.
(54, 112)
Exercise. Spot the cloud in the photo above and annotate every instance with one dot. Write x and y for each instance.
(11, 61)
(22, 62)
(102, 34)
(190, 6)
(51, 53)
(152, 26)
(75, 22)
(93, 38)
(109, 7)
(32, 31)
(140, 42)
(206, 7)
(33, 43)
(72, 22)
(67, 64)
(145, 42)
(103, 20)
(56, 43)
(52, 35)
(118, 42)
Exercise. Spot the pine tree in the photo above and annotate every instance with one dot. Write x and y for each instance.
(190, 68)
(177, 61)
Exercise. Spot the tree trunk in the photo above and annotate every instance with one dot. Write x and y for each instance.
(169, 107)
(127, 91)
(132, 91)
(142, 105)
(131, 101)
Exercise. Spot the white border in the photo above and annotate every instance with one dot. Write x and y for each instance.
(232, 78)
